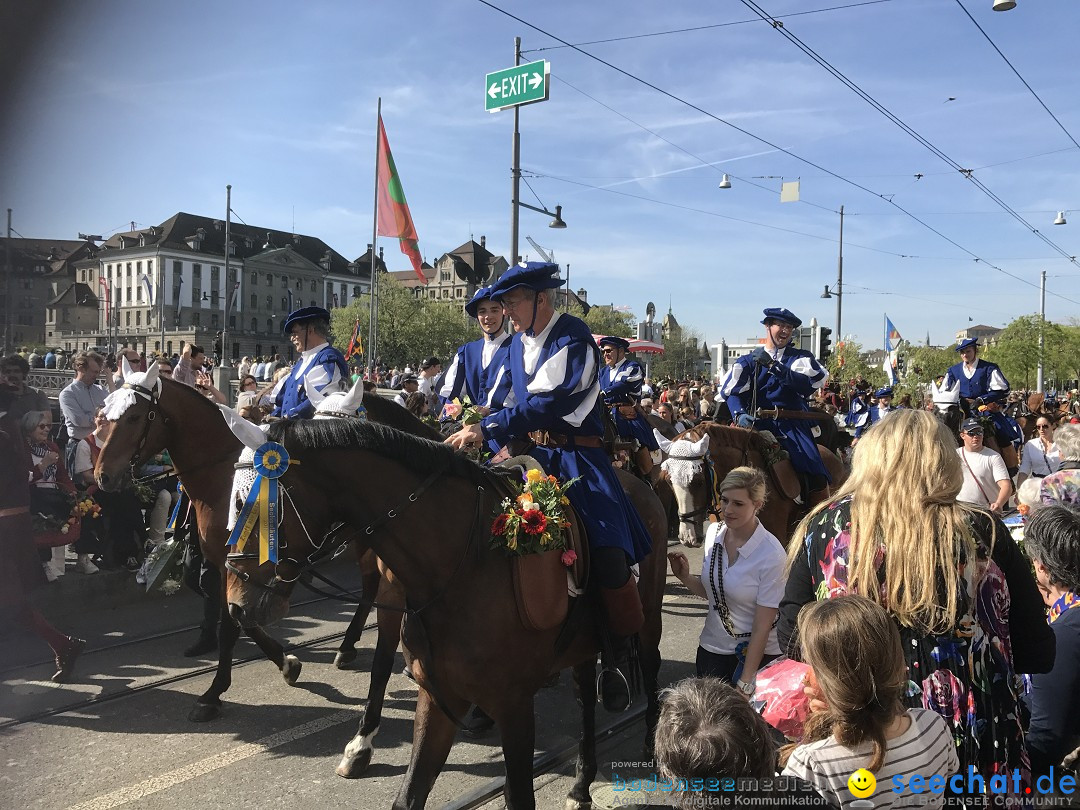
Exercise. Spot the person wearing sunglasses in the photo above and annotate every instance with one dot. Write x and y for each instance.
(986, 480)
(1041, 456)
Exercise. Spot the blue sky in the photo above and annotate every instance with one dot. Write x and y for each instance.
(135, 110)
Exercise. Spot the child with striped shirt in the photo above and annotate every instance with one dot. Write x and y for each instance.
(853, 648)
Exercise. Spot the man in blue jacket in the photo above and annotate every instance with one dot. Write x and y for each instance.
(973, 378)
(620, 384)
(776, 375)
(319, 370)
(553, 366)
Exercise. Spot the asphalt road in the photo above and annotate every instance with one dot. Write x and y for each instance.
(119, 735)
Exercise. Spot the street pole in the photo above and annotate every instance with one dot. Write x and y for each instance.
(8, 308)
(225, 281)
(840, 280)
(1042, 322)
(161, 305)
(515, 171)
(373, 301)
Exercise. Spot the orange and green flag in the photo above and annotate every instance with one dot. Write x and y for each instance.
(394, 217)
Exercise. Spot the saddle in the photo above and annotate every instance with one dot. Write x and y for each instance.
(541, 582)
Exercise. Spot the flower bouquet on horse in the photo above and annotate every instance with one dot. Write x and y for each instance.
(534, 522)
(56, 516)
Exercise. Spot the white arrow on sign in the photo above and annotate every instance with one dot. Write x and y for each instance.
(535, 80)
(494, 90)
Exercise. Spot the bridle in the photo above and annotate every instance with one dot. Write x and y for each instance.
(335, 541)
(709, 508)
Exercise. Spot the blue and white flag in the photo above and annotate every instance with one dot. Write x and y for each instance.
(149, 289)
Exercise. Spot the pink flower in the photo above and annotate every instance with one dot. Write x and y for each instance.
(569, 557)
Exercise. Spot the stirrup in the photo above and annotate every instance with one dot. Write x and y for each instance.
(626, 683)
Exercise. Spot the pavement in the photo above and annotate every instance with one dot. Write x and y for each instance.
(122, 737)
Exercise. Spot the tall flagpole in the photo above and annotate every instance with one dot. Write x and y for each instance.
(225, 291)
(374, 298)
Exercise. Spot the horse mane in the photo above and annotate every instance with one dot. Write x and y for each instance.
(417, 454)
(388, 412)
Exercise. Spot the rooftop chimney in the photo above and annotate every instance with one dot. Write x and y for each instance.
(483, 241)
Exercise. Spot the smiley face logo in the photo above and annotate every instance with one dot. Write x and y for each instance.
(862, 783)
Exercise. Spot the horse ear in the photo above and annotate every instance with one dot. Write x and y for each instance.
(126, 367)
(665, 444)
(354, 398)
(151, 378)
(241, 428)
(701, 446)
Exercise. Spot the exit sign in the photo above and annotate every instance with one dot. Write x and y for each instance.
(515, 86)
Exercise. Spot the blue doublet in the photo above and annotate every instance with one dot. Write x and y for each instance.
(553, 376)
(486, 385)
(876, 414)
(1006, 430)
(858, 413)
(787, 384)
(986, 378)
(312, 378)
(621, 385)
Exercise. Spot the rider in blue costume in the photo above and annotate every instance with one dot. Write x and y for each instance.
(777, 375)
(553, 367)
(973, 378)
(883, 407)
(1006, 429)
(319, 370)
(859, 410)
(479, 368)
(620, 385)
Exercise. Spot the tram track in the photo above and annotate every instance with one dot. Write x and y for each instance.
(547, 762)
(131, 642)
(110, 697)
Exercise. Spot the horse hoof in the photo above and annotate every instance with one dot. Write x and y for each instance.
(344, 658)
(691, 543)
(204, 712)
(574, 804)
(290, 670)
(354, 767)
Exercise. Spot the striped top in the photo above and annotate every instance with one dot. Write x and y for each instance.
(926, 749)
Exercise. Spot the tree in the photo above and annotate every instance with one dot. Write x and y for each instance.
(607, 321)
(681, 359)
(847, 362)
(925, 364)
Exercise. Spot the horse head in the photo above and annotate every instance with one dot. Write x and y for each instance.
(685, 469)
(137, 433)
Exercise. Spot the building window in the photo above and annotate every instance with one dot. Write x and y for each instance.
(444, 275)
(270, 302)
(215, 299)
(127, 319)
(284, 304)
(284, 282)
(300, 285)
(445, 293)
(168, 347)
(232, 321)
(195, 318)
(458, 292)
(215, 273)
(150, 266)
(254, 279)
(432, 292)
(129, 269)
(269, 279)
(313, 287)
(214, 321)
(269, 326)
(254, 326)
(356, 293)
(196, 274)
(138, 317)
(254, 301)
(138, 268)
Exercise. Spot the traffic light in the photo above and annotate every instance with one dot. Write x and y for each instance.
(901, 364)
(217, 344)
(825, 348)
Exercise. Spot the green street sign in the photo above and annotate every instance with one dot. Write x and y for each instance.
(514, 86)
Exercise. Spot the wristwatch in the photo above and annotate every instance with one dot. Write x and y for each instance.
(746, 688)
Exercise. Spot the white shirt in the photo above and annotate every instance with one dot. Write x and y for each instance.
(756, 578)
(983, 469)
(1039, 462)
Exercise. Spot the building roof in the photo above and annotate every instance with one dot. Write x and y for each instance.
(76, 294)
(54, 254)
(478, 259)
(408, 279)
(181, 231)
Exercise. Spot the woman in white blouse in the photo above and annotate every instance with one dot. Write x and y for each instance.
(743, 580)
(1041, 456)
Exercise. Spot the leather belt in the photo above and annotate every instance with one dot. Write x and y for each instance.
(14, 510)
(545, 438)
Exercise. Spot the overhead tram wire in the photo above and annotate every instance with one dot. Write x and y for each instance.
(1017, 72)
(850, 84)
(788, 152)
(682, 149)
(702, 27)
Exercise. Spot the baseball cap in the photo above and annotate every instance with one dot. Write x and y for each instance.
(971, 426)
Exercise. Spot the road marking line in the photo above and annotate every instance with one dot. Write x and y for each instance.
(156, 784)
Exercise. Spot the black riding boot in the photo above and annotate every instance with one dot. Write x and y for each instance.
(619, 675)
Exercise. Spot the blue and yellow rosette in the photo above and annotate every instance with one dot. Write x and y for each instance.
(270, 462)
(180, 496)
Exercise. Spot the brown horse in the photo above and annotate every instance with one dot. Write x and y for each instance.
(203, 452)
(726, 449)
(427, 511)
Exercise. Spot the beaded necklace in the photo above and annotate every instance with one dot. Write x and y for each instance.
(716, 582)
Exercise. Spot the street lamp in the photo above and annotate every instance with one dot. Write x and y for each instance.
(838, 289)
(557, 220)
